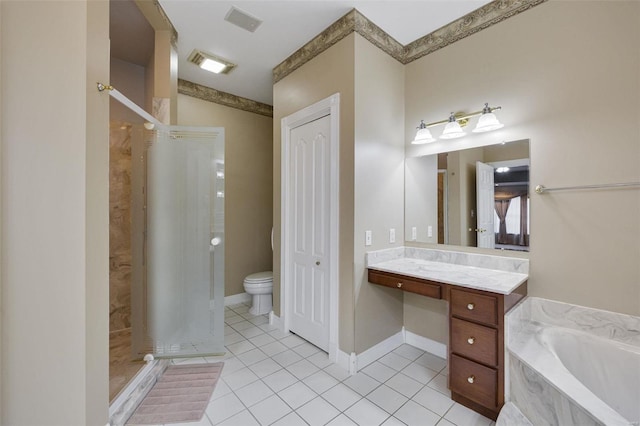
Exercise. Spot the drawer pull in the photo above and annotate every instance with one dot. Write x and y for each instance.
(399, 285)
(471, 379)
(471, 306)
(471, 340)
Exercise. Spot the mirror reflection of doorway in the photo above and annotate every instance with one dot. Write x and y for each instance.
(442, 199)
(442, 207)
(511, 216)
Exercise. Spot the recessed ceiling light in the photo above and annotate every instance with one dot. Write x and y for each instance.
(210, 62)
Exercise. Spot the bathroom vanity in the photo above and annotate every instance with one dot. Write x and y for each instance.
(479, 290)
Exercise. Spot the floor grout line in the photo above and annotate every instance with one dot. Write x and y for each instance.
(249, 362)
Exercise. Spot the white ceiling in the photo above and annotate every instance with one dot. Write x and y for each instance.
(287, 26)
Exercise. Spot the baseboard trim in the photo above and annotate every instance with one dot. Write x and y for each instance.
(347, 361)
(426, 344)
(236, 299)
(275, 320)
(379, 350)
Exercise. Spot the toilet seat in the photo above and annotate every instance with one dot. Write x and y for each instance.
(259, 277)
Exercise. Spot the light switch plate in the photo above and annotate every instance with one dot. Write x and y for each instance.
(392, 235)
(430, 231)
(414, 233)
(367, 238)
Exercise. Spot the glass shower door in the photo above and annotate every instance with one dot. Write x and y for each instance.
(180, 308)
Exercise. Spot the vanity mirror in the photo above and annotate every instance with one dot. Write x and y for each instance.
(477, 197)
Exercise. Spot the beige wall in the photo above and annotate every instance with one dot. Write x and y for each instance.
(379, 183)
(54, 213)
(329, 73)
(568, 77)
(149, 82)
(129, 79)
(248, 185)
(421, 197)
(515, 150)
(371, 86)
(165, 79)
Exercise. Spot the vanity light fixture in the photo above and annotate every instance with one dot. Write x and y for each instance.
(454, 124)
(502, 170)
(210, 62)
(423, 135)
(453, 129)
(488, 121)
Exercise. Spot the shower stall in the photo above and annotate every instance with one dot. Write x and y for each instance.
(177, 286)
(167, 242)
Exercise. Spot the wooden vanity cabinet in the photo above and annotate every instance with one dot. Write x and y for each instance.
(402, 282)
(476, 337)
(476, 350)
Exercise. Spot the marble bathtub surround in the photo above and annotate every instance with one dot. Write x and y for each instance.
(481, 272)
(541, 386)
(511, 416)
(609, 325)
(540, 402)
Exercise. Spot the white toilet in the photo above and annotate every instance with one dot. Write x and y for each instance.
(260, 286)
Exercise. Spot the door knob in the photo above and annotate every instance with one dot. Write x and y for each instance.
(317, 263)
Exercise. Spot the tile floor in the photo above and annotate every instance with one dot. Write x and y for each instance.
(271, 378)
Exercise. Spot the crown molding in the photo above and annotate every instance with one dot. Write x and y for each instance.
(327, 38)
(376, 36)
(205, 93)
(481, 18)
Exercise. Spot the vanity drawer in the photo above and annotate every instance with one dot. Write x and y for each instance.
(474, 341)
(474, 381)
(474, 306)
(424, 288)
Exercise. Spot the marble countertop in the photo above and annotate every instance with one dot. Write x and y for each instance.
(492, 280)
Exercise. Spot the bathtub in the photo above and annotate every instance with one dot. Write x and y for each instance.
(572, 365)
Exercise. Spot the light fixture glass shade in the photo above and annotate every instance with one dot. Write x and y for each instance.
(452, 131)
(212, 65)
(423, 136)
(487, 123)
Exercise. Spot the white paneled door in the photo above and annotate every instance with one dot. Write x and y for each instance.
(309, 237)
(485, 204)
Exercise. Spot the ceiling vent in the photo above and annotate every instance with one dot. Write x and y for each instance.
(242, 19)
(210, 62)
